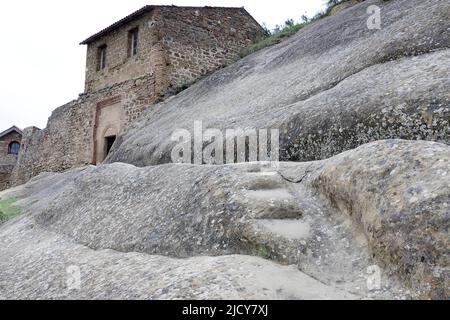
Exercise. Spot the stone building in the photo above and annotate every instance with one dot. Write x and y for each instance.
(10, 141)
(131, 65)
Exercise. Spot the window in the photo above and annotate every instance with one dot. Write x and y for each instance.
(14, 148)
(133, 42)
(101, 58)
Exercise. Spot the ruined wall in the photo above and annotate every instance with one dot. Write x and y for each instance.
(201, 40)
(68, 140)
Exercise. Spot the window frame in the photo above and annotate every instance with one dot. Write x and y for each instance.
(133, 42)
(101, 57)
(10, 147)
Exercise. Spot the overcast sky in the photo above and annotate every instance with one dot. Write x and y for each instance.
(42, 66)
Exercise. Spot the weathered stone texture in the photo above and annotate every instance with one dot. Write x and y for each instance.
(7, 161)
(120, 66)
(399, 193)
(5, 176)
(344, 5)
(201, 40)
(69, 139)
(385, 203)
(331, 87)
(180, 43)
(177, 45)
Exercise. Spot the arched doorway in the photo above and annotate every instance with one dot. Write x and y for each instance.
(110, 118)
(109, 137)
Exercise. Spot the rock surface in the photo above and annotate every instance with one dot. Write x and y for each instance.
(370, 222)
(333, 86)
(186, 231)
(399, 193)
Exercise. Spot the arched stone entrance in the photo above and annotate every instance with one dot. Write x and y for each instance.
(109, 120)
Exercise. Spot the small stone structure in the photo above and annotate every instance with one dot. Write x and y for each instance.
(131, 65)
(10, 141)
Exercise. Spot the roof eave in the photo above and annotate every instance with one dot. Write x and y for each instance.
(8, 131)
(117, 24)
(140, 12)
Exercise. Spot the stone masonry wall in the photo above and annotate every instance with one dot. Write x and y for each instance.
(5, 177)
(7, 161)
(177, 44)
(120, 66)
(199, 41)
(5, 158)
(68, 139)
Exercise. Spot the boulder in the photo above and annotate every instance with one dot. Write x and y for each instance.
(381, 206)
(399, 194)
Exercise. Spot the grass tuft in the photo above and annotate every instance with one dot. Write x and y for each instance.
(275, 38)
(8, 210)
(262, 251)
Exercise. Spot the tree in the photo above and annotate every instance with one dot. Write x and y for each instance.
(289, 23)
(304, 18)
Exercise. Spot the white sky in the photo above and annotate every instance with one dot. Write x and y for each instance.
(42, 66)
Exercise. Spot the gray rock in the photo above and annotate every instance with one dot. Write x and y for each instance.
(330, 88)
(323, 229)
(399, 193)
(385, 203)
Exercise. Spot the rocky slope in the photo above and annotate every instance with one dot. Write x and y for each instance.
(323, 224)
(365, 206)
(330, 88)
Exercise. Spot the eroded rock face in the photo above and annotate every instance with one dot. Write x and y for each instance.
(400, 194)
(330, 88)
(50, 263)
(344, 5)
(251, 231)
(385, 204)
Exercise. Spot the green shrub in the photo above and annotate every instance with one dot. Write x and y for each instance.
(279, 33)
(276, 36)
(262, 251)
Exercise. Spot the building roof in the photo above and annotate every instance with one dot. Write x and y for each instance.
(8, 131)
(139, 13)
